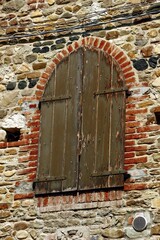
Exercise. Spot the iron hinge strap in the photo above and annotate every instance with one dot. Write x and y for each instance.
(112, 90)
(54, 99)
(50, 179)
(108, 173)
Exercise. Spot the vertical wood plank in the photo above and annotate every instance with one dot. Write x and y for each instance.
(103, 116)
(58, 126)
(90, 82)
(117, 129)
(74, 85)
(45, 140)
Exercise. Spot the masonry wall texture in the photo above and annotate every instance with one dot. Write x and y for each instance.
(34, 36)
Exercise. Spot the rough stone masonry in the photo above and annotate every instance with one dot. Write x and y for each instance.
(32, 34)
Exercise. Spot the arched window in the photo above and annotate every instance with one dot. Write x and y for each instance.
(82, 125)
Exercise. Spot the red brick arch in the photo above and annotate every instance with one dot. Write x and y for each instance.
(120, 59)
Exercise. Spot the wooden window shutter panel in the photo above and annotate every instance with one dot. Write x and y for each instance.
(106, 116)
(58, 141)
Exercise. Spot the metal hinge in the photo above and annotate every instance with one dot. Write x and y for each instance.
(112, 90)
(53, 99)
(50, 179)
(108, 173)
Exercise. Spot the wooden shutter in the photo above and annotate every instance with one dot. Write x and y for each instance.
(101, 161)
(58, 156)
(82, 126)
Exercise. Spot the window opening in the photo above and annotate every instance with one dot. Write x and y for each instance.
(157, 115)
(82, 126)
(13, 134)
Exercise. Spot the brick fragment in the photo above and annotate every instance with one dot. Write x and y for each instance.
(135, 186)
(136, 148)
(135, 160)
(23, 195)
(148, 128)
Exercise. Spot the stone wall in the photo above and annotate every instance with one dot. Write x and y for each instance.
(32, 33)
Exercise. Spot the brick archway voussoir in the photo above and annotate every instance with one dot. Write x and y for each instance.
(118, 55)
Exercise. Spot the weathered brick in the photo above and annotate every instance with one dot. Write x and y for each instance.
(135, 186)
(23, 196)
(135, 160)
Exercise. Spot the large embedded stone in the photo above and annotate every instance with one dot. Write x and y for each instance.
(145, 104)
(156, 202)
(156, 157)
(141, 40)
(156, 83)
(11, 151)
(67, 15)
(48, 11)
(153, 33)
(13, 5)
(155, 172)
(3, 190)
(127, 47)
(140, 64)
(31, 58)
(153, 62)
(36, 13)
(32, 83)
(80, 233)
(18, 59)
(16, 120)
(11, 86)
(137, 11)
(4, 214)
(6, 228)
(20, 226)
(39, 65)
(33, 75)
(157, 73)
(28, 203)
(23, 68)
(20, 53)
(112, 35)
(53, 17)
(155, 230)
(147, 51)
(33, 234)
(51, 2)
(113, 233)
(9, 173)
(1, 168)
(38, 224)
(22, 234)
(132, 234)
(22, 84)
(2, 88)
(2, 135)
(157, 49)
(146, 140)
